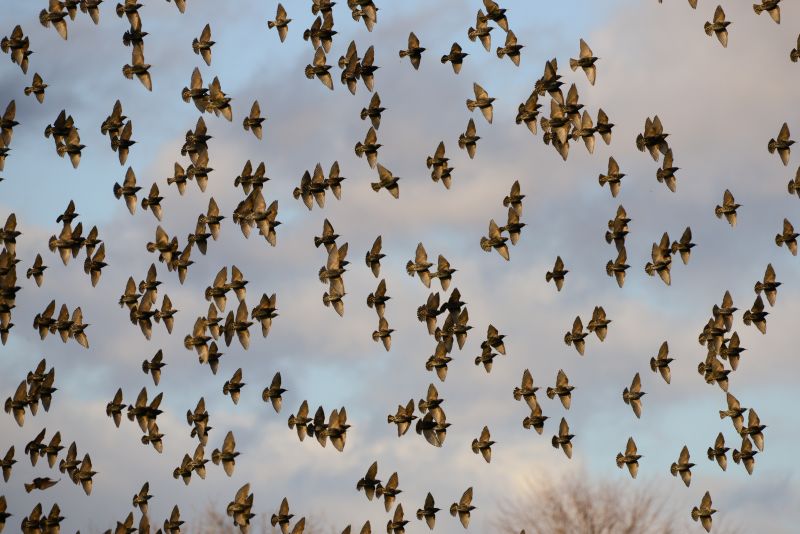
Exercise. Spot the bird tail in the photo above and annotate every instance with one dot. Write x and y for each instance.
(792, 187)
(485, 244)
(609, 237)
(653, 364)
(453, 509)
(573, 64)
(117, 190)
(501, 52)
(403, 53)
(708, 28)
(551, 393)
(695, 513)
(270, 25)
(554, 442)
(794, 55)
(640, 142)
(29, 488)
(771, 146)
(471, 104)
(43, 18)
(779, 240)
(127, 71)
(710, 453)
(758, 8)
(673, 469)
(747, 318)
(475, 446)
(371, 300)
(517, 394)
(609, 267)
(376, 186)
(737, 456)
(364, 113)
(620, 460)
(625, 396)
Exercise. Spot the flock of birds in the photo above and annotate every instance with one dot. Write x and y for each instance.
(567, 121)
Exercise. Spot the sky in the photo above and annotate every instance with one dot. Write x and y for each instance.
(720, 107)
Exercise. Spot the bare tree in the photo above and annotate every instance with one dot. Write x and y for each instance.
(211, 521)
(576, 503)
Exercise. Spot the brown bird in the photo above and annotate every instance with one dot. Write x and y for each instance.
(788, 237)
(782, 144)
(414, 51)
(558, 273)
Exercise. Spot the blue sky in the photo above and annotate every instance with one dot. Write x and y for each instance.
(654, 59)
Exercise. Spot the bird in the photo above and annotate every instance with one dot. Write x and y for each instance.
(719, 26)
(469, 139)
(226, 456)
(281, 22)
(254, 120)
(374, 256)
(374, 111)
(782, 144)
(414, 51)
(397, 524)
(234, 386)
(369, 147)
(558, 274)
(683, 467)
(378, 299)
(403, 417)
(202, 45)
(728, 208)
(788, 237)
(483, 445)
(511, 48)
(482, 101)
(585, 61)
(704, 512)
(463, 508)
(138, 68)
(666, 174)
(661, 362)
(718, 452)
(36, 88)
(599, 323)
(756, 315)
(653, 139)
(562, 389)
(576, 336)
(745, 456)
(633, 396)
(154, 366)
(495, 240)
(389, 491)
(630, 458)
(754, 429)
(455, 57)
(386, 180)
(769, 285)
(770, 6)
(428, 511)
(564, 438)
(319, 69)
(128, 189)
(273, 393)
